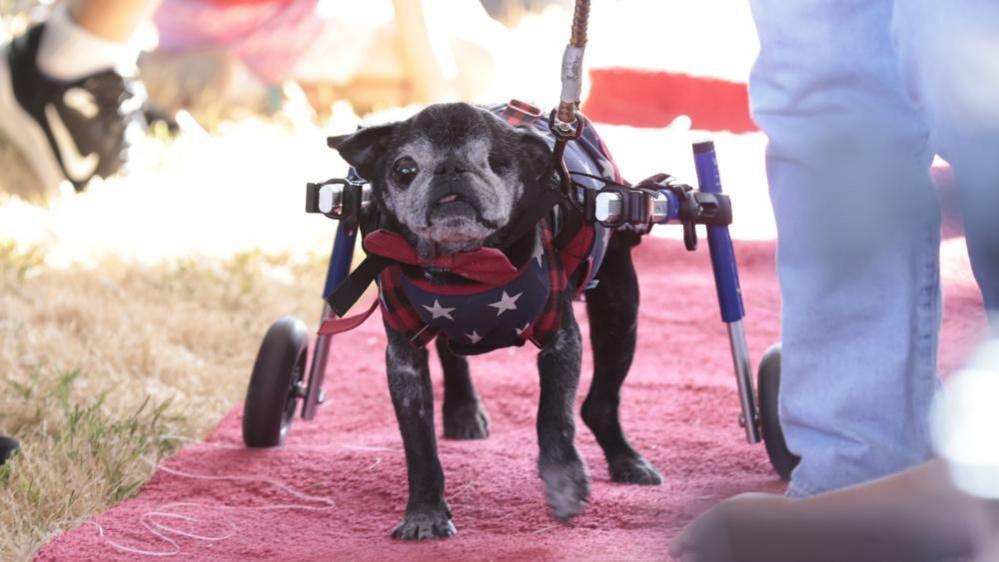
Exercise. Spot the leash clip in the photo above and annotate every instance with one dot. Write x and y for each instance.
(564, 132)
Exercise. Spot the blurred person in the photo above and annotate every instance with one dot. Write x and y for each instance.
(857, 96)
(67, 96)
(375, 54)
(945, 509)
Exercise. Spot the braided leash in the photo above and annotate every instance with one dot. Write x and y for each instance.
(563, 122)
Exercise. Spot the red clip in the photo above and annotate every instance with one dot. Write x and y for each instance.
(520, 112)
(525, 108)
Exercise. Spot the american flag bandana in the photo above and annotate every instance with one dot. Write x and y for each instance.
(476, 317)
(479, 315)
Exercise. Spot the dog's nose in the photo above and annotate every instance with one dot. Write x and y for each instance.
(450, 167)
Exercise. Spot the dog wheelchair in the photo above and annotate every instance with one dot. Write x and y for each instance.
(286, 374)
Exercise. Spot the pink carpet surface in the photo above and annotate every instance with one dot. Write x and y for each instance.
(337, 487)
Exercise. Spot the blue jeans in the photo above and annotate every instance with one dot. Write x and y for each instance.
(856, 97)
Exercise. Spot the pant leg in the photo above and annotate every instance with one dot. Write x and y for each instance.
(950, 58)
(858, 249)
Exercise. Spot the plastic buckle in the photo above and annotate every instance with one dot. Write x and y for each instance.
(333, 203)
(339, 198)
(689, 212)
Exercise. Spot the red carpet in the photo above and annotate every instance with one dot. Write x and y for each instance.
(680, 407)
(645, 98)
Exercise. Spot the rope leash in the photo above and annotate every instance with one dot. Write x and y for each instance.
(563, 122)
(572, 69)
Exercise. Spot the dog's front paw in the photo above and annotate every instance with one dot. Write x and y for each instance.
(425, 523)
(567, 487)
(468, 421)
(634, 469)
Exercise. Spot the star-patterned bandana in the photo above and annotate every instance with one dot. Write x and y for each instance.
(490, 318)
(478, 317)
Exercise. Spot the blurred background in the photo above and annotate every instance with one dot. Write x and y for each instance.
(130, 313)
(233, 82)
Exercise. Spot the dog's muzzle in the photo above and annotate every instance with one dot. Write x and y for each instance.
(453, 198)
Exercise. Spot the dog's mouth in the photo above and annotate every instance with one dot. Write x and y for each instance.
(455, 223)
(454, 207)
(454, 202)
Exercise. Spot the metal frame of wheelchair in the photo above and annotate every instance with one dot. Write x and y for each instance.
(284, 374)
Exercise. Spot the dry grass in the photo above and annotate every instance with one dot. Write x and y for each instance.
(105, 370)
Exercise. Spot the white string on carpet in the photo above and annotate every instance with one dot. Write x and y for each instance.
(153, 521)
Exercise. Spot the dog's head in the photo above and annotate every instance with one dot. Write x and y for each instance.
(451, 177)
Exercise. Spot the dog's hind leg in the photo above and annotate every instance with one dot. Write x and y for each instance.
(427, 512)
(612, 307)
(464, 417)
(566, 483)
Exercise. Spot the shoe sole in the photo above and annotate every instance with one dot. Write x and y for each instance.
(26, 134)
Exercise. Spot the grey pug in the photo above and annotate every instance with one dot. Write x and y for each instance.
(454, 178)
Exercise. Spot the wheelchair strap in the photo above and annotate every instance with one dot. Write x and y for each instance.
(348, 292)
(339, 325)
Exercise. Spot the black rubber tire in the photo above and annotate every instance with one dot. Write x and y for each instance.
(271, 399)
(768, 383)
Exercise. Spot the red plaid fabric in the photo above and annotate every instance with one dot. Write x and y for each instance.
(398, 312)
(518, 112)
(577, 257)
(582, 251)
(550, 319)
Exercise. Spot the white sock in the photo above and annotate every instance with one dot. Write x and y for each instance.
(69, 52)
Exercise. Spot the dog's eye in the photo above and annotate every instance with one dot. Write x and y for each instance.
(499, 164)
(404, 171)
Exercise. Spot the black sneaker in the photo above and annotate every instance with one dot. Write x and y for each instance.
(66, 130)
(8, 446)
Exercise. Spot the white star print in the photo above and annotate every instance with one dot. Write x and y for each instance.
(439, 311)
(539, 252)
(506, 303)
(520, 331)
(474, 337)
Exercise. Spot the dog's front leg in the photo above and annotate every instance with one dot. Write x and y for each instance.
(427, 513)
(562, 469)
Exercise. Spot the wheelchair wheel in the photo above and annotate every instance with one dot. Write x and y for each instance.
(276, 383)
(768, 383)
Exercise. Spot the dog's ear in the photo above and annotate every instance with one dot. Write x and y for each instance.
(536, 152)
(363, 148)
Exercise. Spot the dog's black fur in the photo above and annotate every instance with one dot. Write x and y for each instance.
(474, 175)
